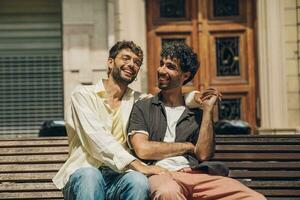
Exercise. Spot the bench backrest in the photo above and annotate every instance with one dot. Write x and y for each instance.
(268, 164)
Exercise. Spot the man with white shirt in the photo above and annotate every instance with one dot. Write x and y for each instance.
(163, 131)
(96, 124)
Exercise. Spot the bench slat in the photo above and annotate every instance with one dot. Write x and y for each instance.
(262, 165)
(28, 143)
(257, 156)
(30, 167)
(22, 177)
(57, 158)
(258, 148)
(253, 140)
(264, 174)
(271, 137)
(272, 184)
(31, 138)
(33, 150)
(32, 195)
(8, 187)
(283, 192)
(283, 198)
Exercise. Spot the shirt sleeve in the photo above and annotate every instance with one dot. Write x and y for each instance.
(99, 143)
(133, 133)
(137, 123)
(136, 119)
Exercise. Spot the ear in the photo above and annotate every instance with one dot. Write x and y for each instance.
(186, 75)
(110, 64)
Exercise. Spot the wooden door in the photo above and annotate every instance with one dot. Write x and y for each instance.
(222, 33)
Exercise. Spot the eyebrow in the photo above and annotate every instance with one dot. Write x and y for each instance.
(167, 62)
(128, 55)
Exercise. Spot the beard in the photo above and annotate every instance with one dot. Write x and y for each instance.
(118, 76)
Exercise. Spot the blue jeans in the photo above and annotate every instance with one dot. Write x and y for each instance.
(90, 183)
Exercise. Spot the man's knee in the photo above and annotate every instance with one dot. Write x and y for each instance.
(87, 176)
(137, 180)
(243, 189)
(165, 190)
(88, 179)
(135, 186)
(259, 196)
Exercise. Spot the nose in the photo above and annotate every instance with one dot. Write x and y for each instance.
(161, 69)
(130, 62)
(132, 65)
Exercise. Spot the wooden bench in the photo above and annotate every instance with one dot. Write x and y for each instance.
(27, 166)
(268, 164)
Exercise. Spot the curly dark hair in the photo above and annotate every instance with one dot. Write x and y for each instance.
(187, 58)
(120, 45)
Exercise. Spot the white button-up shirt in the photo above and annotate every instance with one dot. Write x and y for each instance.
(89, 132)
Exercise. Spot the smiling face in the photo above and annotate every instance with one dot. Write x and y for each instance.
(169, 74)
(125, 67)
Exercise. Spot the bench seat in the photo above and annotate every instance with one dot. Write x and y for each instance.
(268, 164)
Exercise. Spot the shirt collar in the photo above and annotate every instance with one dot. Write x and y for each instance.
(157, 100)
(99, 87)
(100, 90)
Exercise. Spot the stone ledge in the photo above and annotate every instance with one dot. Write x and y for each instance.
(278, 131)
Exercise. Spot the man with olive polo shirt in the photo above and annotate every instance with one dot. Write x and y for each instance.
(164, 132)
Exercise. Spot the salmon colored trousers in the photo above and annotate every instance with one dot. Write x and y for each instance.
(199, 186)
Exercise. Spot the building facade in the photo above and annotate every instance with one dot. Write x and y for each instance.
(249, 50)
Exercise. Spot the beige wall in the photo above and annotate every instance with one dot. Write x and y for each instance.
(278, 66)
(84, 42)
(271, 73)
(292, 62)
(90, 28)
(130, 24)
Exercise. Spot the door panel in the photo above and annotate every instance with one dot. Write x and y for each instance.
(227, 58)
(221, 32)
(226, 10)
